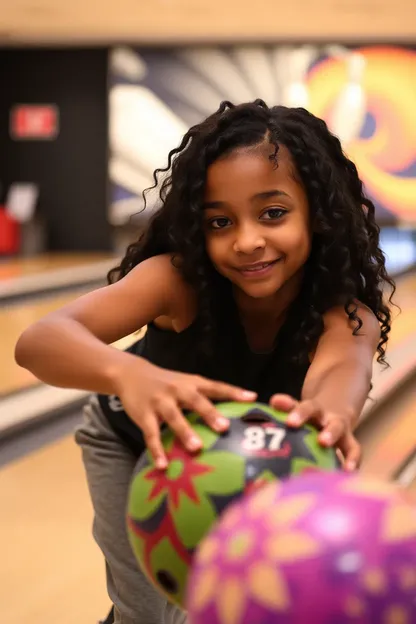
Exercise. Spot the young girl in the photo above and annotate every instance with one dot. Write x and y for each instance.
(260, 274)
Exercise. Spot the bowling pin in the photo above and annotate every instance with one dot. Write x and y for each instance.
(349, 112)
(295, 89)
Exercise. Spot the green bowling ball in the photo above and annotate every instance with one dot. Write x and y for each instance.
(170, 512)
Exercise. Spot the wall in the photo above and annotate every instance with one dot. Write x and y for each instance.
(365, 93)
(71, 170)
(210, 21)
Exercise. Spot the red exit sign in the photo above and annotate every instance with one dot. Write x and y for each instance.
(34, 122)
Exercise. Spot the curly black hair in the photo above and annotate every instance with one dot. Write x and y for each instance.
(346, 263)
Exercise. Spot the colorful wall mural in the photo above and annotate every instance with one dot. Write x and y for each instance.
(367, 95)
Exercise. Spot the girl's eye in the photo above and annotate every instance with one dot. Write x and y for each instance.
(272, 214)
(219, 223)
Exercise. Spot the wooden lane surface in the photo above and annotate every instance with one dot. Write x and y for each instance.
(391, 441)
(412, 488)
(404, 323)
(15, 319)
(51, 570)
(44, 263)
(388, 442)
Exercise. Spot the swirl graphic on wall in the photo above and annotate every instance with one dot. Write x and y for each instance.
(369, 101)
(366, 95)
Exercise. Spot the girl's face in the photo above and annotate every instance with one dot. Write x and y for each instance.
(257, 225)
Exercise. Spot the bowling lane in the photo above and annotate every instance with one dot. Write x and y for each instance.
(388, 435)
(46, 538)
(387, 429)
(401, 351)
(412, 488)
(44, 263)
(404, 321)
(23, 410)
(14, 319)
(52, 271)
(52, 570)
(407, 477)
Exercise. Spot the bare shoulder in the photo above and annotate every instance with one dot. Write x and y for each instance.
(180, 297)
(336, 319)
(339, 341)
(154, 290)
(162, 268)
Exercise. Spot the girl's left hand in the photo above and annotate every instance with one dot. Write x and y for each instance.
(336, 429)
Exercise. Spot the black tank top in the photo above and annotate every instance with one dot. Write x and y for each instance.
(232, 361)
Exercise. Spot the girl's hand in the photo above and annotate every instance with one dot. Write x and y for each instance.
(151, 395)
(336, 429)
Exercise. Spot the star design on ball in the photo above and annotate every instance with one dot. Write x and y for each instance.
(179, 477)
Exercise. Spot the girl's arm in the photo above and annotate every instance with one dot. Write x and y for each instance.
(341, 370)
(338, 381)
(70, 348)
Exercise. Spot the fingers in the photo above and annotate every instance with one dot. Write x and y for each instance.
(151, 433)
(335, 429)
(283, 402)
(167, 408)
(304, 412)
(351, 450)
(219, 390)
(332, 432)
(203, 406)
(172, 415)
(198, 401)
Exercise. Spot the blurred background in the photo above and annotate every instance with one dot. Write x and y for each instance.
(91, 102)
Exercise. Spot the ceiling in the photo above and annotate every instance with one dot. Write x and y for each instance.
(79, 22)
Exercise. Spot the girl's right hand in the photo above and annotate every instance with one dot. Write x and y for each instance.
(151, 395)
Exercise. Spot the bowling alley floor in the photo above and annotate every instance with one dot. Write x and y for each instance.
(45, 272)
(30, 289)
(52, 570)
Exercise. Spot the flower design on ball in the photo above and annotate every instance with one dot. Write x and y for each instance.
(238, 563)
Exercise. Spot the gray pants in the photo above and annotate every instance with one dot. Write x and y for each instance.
(109, 465)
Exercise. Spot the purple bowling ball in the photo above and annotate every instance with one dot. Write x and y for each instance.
(327, 548)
